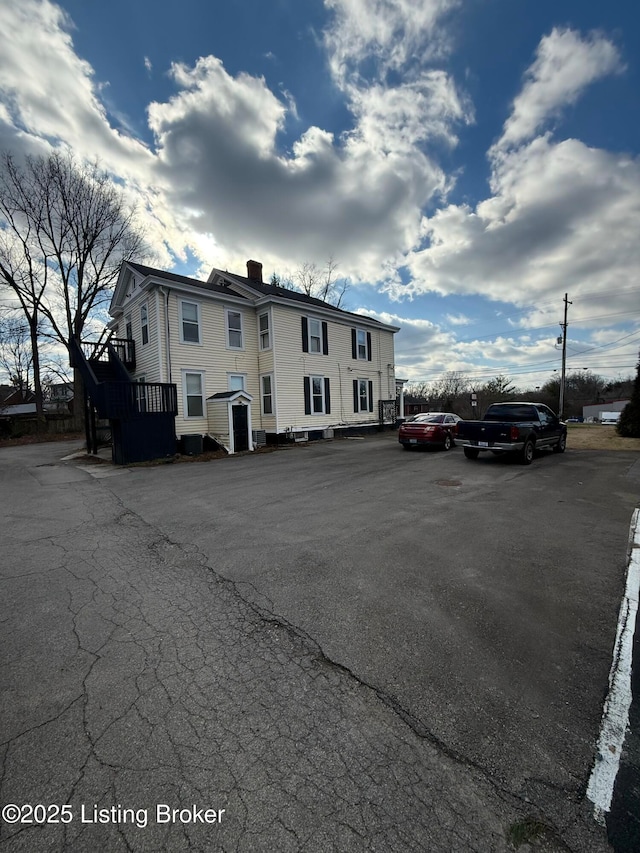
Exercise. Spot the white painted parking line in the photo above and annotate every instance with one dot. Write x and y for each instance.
(615, 717)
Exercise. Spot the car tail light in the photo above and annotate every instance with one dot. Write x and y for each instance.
(515, 433)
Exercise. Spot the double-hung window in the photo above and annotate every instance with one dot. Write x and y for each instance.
(144, 323)
(190, 323)
(234, 329)
(193, 391)
(128, 330)
(361, 344)
(315, 336)
(264, 331)
(317, 400)
(266, 389)
(362, 395)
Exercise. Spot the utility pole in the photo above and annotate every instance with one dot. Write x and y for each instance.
(563, 326)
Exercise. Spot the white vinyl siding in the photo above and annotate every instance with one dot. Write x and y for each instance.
(147, 356)
(290, 366)
(279, 370)
(214, 359)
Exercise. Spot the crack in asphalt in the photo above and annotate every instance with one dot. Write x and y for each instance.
(184, 690)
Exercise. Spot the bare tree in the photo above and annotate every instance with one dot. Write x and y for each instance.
(66, 229)
(16, 358)
(449, 390)
(320, 283)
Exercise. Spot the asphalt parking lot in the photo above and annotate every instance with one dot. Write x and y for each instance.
(474, 602)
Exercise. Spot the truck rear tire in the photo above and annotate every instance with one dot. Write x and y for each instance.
(526, 455)
(471, 452)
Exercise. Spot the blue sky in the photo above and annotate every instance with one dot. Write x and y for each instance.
(465, 162)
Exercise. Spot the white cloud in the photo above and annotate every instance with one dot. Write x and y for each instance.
(565, 65)
(217, 179)
(218, 154)
(49, 91)
(396, 34)
(458, 320)
(562, 217)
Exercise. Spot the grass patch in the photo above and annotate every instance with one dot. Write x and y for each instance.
(598, 437)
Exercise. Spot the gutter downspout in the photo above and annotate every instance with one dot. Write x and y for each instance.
(167, 332)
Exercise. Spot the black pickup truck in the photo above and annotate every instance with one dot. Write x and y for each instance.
(520, 428)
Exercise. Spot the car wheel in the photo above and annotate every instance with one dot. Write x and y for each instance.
(526, 456)
(447, 442)
(561, 446)
(471, 452)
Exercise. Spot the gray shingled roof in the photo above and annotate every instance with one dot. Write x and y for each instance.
(258, 287)
(180, 279)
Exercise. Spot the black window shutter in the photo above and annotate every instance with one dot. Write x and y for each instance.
(370, 396)
(369, 346)
(327, 397)
(307, 395)
(354, 344)
(355, 395)
(305, 336)
(325, 339)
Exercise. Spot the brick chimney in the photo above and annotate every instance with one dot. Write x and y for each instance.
(254, 271)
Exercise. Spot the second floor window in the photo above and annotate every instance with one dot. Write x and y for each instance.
(234, 330)
(361, 344)
(264, 331)
(190, 322)
(144, 323)
(315, 336)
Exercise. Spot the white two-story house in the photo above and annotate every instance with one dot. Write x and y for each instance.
(254, 362)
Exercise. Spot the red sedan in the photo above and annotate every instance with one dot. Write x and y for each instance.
(431, 429)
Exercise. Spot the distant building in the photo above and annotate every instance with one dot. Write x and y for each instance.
(59, 397)
(594, 412)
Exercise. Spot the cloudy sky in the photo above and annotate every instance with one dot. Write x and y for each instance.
(465, 162)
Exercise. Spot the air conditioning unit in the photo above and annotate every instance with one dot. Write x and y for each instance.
(259, 437)
(327, 433)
